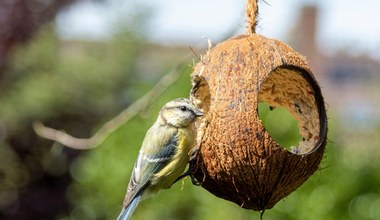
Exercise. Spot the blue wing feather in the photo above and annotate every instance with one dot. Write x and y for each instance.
(126, 213)
(146, 166)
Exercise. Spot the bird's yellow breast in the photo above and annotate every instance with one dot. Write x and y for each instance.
(166, 176)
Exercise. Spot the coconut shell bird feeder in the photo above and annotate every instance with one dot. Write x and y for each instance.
(238, 160)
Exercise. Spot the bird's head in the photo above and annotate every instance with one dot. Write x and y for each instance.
(180, 112)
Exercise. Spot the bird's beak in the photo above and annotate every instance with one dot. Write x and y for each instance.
(198, 113)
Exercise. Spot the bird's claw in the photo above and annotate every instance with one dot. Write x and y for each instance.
(192, 162)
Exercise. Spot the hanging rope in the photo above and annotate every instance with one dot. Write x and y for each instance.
(251, 10)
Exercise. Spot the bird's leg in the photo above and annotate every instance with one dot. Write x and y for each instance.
(192, 162)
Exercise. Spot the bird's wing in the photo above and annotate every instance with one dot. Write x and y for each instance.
(149, 163)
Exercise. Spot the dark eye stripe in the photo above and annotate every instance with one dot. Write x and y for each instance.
(182, 108)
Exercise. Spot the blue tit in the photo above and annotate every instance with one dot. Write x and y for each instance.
(164, 153)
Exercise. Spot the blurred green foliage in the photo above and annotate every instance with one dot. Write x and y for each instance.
(64, 84)
(94, 81)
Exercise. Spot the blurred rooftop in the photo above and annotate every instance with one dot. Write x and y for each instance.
(349, 82)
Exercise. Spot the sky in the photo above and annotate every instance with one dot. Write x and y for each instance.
(343, 24)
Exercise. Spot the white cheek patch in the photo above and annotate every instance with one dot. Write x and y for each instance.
(173, 120)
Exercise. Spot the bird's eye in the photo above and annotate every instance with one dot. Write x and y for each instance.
(183, 108)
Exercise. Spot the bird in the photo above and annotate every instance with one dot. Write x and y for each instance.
(164, 153)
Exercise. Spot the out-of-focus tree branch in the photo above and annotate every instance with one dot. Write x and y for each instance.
(115, 123)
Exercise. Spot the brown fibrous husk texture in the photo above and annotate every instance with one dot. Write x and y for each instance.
(238, 159)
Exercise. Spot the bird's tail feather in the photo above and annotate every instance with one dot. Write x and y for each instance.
(126, 212)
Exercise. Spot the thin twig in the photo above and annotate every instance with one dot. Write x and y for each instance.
(262, 214)
(115, 123)
(195, 53)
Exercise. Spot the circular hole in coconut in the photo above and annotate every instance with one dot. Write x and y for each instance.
(281, 125)
(288, 92)
(200, 96)
(200, 93)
